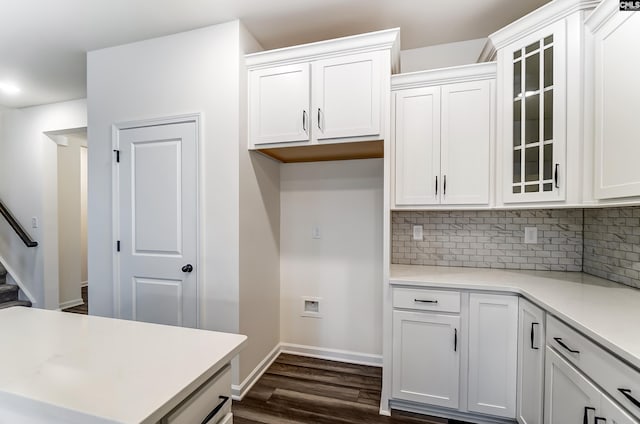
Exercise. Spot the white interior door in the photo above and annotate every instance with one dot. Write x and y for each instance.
(158, 224)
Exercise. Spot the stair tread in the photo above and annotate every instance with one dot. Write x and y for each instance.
(15, 303)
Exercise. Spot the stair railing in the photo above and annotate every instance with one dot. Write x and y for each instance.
(26, 238)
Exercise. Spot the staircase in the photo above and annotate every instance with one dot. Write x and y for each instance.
(9, 293)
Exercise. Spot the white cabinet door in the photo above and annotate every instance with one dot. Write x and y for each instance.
(417, 146)
(347, 96)
(611, 413)
(533, 136)
(426, 358)
(466, 142)
(531, 347)
(279, 104)
(569, 397)
(493, 350)
(617, 101)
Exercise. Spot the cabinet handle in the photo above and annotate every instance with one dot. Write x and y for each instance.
(555, 176)
(444, 185)
(585, 417)
(436, 185)
(217, 409)
(627, 394)
(561, 343)
(532, 336)
(424, 301)
(304, 120)
(319, 120)
(600, 419)
(455, 339)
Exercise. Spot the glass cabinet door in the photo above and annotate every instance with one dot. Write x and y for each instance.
(534, 169)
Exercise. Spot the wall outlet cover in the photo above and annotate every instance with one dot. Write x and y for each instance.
(311, 307)
(530, 235)
(418, 233)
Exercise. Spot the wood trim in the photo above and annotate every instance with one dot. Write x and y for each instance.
(465, 73)
(327, 152)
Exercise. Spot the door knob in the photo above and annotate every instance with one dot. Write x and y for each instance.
(187, 268)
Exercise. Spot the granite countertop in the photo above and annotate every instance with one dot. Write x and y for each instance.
(66, 368)
(607, 312)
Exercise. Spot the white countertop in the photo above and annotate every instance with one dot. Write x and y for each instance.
(607, 312)
(76, 368)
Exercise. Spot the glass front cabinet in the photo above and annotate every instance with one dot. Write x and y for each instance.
(534, 127)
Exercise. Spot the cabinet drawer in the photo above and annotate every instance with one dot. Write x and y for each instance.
(426, 300)
(203, 401)
(619, 380)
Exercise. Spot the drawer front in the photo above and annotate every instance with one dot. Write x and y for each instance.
(204, 400)
(426, 300)
(619, 380)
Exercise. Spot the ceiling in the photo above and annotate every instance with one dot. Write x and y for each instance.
(43, 42)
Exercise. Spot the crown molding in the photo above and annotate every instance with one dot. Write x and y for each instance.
(473, 72)
(602, 14)
(488, 53)
(388, 39)
(538, 19)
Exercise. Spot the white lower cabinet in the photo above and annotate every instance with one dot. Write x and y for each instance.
(531, 342)
(493, 347)
(426, 358)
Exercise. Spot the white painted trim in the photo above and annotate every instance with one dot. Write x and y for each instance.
(12, 274)
(332, 354)
(538, 19)
(602, 14)
(388, 39)
(115, 193)
(84, 284)
(71, 303)
(239, 391)
(488, 52)
(456, 74)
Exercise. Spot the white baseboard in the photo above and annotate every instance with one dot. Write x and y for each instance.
(71, 303)
(332, 354)
(84, 284)
(238, 391)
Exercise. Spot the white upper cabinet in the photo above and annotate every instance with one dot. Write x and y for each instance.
(346, 96)
(280, 104)
(327, 92)
(616, 86)
(540, 99)
(442, 136)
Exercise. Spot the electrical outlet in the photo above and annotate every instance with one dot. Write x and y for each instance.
(530, 235)
(418, 233)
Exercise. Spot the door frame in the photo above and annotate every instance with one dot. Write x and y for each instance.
(115, 198)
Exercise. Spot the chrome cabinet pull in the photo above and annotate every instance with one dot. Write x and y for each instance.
(555, 176)
(444, 185)
(436, 185)
(561, 343)
(320, 120)
(304, 120)
(585, 417)
(455, 339)
(532, 336)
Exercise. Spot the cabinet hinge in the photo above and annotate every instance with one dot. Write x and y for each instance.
(117, 155)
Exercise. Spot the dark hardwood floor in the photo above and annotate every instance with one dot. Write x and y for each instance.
(301, 390)
(81, 309)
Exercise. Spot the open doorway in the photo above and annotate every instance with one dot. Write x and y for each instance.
(72, 221)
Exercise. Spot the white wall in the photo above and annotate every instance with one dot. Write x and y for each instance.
(344, 267)
(28, 175)
(70, 245)
(259, 239)
(83, 215)
(441, 55)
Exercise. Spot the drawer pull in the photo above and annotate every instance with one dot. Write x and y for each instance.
(424, 301)
(532, 336)
(561, 343)
(627, 394)
(585, 417)
(217, 409)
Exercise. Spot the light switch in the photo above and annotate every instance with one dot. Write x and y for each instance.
(418, 233)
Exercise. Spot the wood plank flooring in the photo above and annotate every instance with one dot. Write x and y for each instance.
(81, 309)
(301, 390)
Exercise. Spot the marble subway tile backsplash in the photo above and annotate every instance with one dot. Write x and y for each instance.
(490, 239)
(612, 244)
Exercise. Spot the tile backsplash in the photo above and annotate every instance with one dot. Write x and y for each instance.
(612, 244)
(490, 239)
